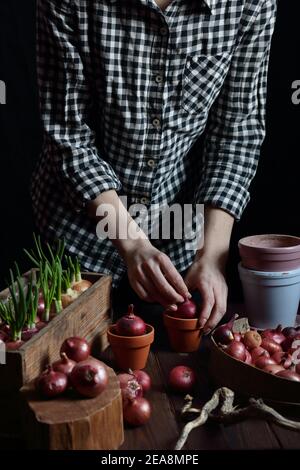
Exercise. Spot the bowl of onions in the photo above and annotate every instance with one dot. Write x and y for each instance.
(183, 328)
(256, 363)
(130, 339)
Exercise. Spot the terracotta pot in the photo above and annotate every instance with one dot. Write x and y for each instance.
(184, 334)
(130, 352)
(270, 252)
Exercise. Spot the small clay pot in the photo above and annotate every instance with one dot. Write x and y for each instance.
(270, 253)
(130, 352)
(184, 334)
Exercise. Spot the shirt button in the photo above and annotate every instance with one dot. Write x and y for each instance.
(144, 200)
(163, 31)
(156, 122)
(151, 163)
(158, 78)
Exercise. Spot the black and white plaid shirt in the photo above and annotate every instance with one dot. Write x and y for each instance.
(125, 92)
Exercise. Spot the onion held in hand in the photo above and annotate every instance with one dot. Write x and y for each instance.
(77, 349)
(182, 379)
(130, 324)
(143, 379)
(89, 378)
(52, 384)
(237, 350)
(252, 339)
(138, 412)
(187, 309)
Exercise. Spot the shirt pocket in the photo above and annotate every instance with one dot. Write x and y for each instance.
(202, 80)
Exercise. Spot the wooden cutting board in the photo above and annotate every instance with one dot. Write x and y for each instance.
(73, 423)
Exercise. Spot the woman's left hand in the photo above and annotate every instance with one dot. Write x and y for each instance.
(208, 277)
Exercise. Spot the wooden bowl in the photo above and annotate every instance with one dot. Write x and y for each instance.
(247, 380)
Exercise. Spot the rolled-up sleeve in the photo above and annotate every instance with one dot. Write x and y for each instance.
(66, 104)
(236, 125)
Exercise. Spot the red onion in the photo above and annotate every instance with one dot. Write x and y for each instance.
(143, 379)
(51, 384)
(248, 357)
(130, 387)
(182, 379)
(289, 331)
(298, 368)
(3, 336)
(288, 342)
(264, 361)
(41, 305)
(223, 334)
(283, 359)
(28, 333)
(258, 352)
(271, 346)
(89, 377)
(130, 324)
(276, 334)
(273, 368)
(252, 339)
(40, 325)
(288, 374)
(14, 345)
(76, 348)
(64, 365)
(187, 309)
(237, 350)
(138, 412)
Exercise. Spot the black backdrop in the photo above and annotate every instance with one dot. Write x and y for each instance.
(274, 206)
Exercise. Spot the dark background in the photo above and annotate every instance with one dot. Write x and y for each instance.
(275, 195)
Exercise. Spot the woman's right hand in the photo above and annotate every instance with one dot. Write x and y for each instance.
(152, 274)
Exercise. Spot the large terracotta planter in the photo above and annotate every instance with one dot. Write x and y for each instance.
(130, 352)
(272, 253)
(184, 334)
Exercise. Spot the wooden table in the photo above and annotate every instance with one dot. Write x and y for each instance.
(165, 425)
(162, 431)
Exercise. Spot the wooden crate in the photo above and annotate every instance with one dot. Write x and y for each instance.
(88, 317)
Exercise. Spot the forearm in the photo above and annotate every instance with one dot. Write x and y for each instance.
(217, 233)
(123, 231)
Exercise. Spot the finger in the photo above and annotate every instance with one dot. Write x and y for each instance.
(141, 291)
(166, 291)
(152, 293)
(218, 311)
(174, 278)
(207, 306)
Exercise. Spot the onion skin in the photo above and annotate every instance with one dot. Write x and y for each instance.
(89, 378)
(271, 346)
(130, 324)
(276, 334)
(77, 349)
(288, 342)
(182, 379)
(81, 286)
(137, 412)
(52, 384)
(187, 309)
(289, 331)
(273, 368)
(130, 388)
(283, 359)
(288, 374)
(143, 379)
(237, 337)
(264, 361)
(237, 350)
(252, 339)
